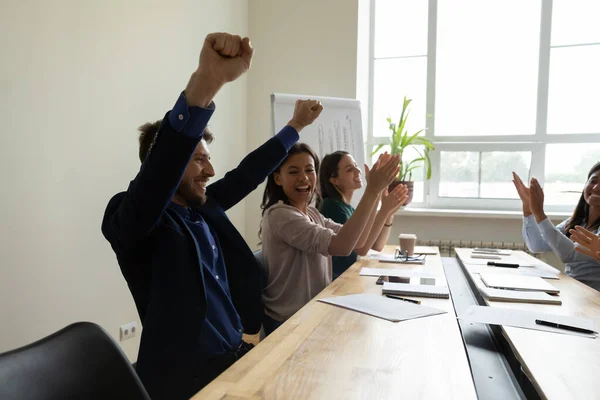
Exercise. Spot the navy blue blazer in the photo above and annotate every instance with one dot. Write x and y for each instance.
(160, 259)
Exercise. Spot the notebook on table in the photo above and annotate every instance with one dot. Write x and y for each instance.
(517, 282)
(406, 289)
(518, 296)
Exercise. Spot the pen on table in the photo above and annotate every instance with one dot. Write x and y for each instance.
(561, 326)
(499, 264)
(391, 296)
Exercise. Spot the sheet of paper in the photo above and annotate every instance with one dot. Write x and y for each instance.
(500, 252)
(372, 253)
(517, 257)
(418, 250)
(525, 319)
(407, 273)
(391, 258)
(531, 260)
(503, 259)
(478, 269)
(426, 250)
(382, 307)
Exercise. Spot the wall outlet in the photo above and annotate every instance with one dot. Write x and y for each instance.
(128, 331)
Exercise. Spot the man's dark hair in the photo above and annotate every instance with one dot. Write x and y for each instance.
(148, 135)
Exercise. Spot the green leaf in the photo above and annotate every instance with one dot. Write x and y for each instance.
(416, 160)
(424, 141)
(428, 164)
(411, 168)
(413, 138)
(379, 146)
(405, 104)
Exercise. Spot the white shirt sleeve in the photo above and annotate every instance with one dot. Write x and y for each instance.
(533, 236)
(561, 245)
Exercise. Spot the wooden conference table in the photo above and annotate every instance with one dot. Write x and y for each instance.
(559, 366)
(327, 352)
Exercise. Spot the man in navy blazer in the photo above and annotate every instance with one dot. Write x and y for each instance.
(195, 281)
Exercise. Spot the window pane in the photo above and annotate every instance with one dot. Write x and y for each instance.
(459, 174)
(417, 177)
(573, 92)
(575, 22)
(393, 80)
(486, 73)
(400, 28)
(487, 174)
(567, 166)
(496, 173)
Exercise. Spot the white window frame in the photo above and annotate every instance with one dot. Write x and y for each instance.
(535, 143)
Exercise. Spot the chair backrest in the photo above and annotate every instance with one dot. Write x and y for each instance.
(80, 361)
(260, 257)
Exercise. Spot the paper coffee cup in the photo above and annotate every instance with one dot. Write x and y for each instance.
(407, 243)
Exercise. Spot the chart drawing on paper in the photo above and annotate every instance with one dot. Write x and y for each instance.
(339, 127)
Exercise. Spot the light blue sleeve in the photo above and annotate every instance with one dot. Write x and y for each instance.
(561, 245)
(533, 236)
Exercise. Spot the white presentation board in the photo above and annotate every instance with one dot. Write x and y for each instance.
(339, 127)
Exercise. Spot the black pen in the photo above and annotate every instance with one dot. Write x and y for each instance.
(505, 265)
(561, 326)
(391, 296)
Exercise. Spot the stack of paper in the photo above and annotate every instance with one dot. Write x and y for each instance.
(518, 296)
(516, 282)
(479, 269)
(403, 273)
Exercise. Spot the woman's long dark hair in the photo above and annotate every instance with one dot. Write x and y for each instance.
(274, 193)
(581, 213)
(329, 169)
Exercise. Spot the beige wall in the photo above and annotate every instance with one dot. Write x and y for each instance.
(302, 47)
(76, 79)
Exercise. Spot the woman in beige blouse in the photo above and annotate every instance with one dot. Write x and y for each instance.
(298, 241)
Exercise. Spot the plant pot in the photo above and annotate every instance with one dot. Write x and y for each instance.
(409, 185)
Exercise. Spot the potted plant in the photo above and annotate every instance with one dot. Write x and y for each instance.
(399, 141)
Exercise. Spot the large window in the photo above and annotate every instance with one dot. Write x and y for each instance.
(499, 85)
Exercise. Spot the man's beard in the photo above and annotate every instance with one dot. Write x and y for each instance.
(192, 198)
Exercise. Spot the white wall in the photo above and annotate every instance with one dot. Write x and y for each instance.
(302, 47)
(76, 80)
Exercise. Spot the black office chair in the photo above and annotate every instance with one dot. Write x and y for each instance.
(80, 361)
(260, 258)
